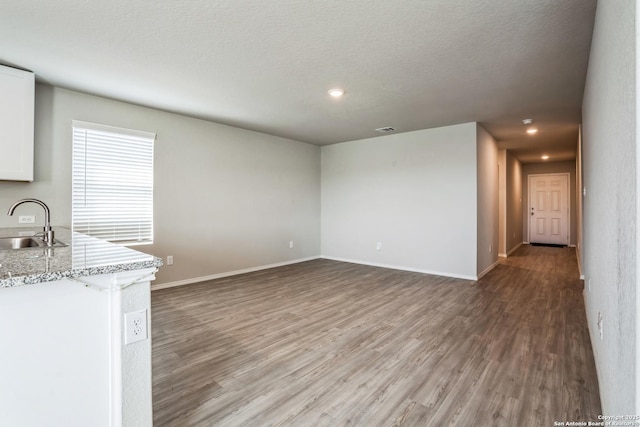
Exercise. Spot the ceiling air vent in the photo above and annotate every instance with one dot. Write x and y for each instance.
(386, 129)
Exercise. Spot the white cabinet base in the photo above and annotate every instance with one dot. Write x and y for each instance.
(62, 355)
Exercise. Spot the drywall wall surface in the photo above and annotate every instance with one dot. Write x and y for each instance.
(488, 215)
(544, 168)
(137, 405)
(502, 202)
(513, 203)
(414, 194)
(52, 169)
(225, 199)
(579, 203)
(243, 196)
(610, 219)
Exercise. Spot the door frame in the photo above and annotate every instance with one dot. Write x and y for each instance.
(528, 211)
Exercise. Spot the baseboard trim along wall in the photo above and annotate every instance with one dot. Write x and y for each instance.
(396, 267)
(578, 256)
(227, 274)
(155, 287)
(488, 269)
(514, 249)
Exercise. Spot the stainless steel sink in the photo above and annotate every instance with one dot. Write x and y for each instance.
(21, 242)
(25, 242)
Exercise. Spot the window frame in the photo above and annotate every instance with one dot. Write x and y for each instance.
(111, 167)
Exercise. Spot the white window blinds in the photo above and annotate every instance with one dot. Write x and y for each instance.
(112, 183)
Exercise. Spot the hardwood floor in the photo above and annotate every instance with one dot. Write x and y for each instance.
(325, 343)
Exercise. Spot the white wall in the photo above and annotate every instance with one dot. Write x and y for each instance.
(488, 215)
(414, 192)
(502, 203)
(579, 204)
(226, 199)
(610, 205)
(52, 169)
(513, 203)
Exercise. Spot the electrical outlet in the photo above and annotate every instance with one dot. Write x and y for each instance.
(169, 259)
(600, 327)
(135, 326)
(379, 246)
(290, 244)
(26, 219)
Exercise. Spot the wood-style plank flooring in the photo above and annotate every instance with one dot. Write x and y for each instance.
(325, 343)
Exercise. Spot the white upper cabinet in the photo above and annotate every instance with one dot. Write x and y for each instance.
(17, 96)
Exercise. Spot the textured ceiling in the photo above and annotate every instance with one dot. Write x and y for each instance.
(267, 65)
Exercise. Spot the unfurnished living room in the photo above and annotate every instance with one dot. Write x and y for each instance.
(286, 213)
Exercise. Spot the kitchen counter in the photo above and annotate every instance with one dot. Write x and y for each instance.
(84, 256)
(70, 341)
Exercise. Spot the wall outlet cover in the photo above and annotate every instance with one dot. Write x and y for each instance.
(26, 219)
(135, 326)
(600, 325)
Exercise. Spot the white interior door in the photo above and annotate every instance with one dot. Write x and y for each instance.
(549, 209)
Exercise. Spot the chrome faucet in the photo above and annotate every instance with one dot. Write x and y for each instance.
(48, 235)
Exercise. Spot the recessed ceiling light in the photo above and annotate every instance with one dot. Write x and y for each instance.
(336, 93)
(545, 157)
(527, 121)
(532, 131)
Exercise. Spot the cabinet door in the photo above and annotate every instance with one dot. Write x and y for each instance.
(17, 89)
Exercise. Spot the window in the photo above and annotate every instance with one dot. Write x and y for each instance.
(112, 195)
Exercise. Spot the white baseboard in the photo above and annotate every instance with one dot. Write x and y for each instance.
(158, 286)
(578, 256)
(488, 269)
(396, 267)
(508, 254)
(155, 287)
(515, 249)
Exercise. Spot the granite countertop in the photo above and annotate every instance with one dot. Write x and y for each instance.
(84, 256)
